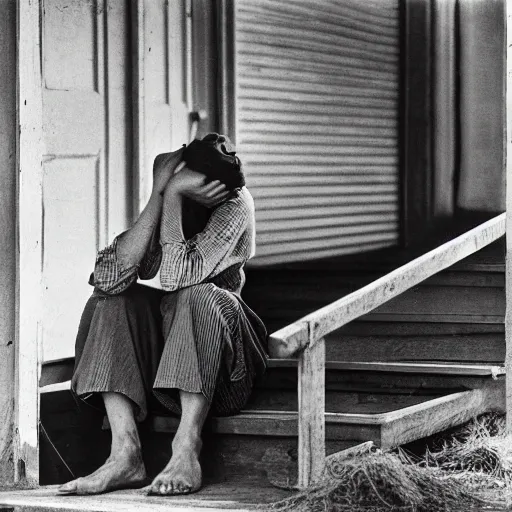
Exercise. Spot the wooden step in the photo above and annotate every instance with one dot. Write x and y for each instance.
(472, 291)
(403, 422)
(486, 348)
(393, 381)
(401, 376)
(439, 368)
(261, 441)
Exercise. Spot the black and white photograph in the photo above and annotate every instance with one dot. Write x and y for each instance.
(255, 255)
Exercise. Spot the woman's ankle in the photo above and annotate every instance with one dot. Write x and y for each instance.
(189, 440)
(126, 448)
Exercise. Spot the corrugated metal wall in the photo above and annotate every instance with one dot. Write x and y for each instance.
(317, 124)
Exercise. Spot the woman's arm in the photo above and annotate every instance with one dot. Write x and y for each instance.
(132, 244)
(117, 266)
(189, 262)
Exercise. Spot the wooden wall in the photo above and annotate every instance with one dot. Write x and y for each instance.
(8, 233)
(482, 176)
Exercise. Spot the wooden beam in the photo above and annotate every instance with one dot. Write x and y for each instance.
(422, 420)
(140, 176)
(444, 107)
(451, 368)
(8, 249)
(30, 243)
(226, 69)
(291, 339)
(416, 119)
(311, 388)
(508, 164)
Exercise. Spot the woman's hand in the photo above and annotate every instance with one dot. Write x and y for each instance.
(192, 185)
(164, 167)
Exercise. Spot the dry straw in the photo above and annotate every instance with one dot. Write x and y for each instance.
(470, 469)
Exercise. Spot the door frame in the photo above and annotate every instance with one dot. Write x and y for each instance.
(30, 242)
(415, 119)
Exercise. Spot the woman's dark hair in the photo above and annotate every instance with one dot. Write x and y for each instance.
(214, 157)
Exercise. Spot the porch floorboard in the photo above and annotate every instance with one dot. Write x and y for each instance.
(235, 496)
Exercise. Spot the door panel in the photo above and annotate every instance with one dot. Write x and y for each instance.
(86, 173)
(167, 112)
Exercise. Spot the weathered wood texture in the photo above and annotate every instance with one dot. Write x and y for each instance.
(440, 368)
(288, 341)
(279, 298)
(386, 382)
(367, 380)
(460, 348)
(140, 178)
(233, 496)
(8, 229)
(416, 119)
(311, 402)
(444, 105)
(480, 67)
(30, 219)
(508, 163)
(263, 445)
(428, 418)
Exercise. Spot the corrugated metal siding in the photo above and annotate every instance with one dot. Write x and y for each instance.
(317, 124)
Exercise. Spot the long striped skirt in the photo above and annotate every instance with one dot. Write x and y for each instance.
(147, 345)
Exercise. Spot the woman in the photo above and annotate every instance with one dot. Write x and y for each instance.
(196, 347)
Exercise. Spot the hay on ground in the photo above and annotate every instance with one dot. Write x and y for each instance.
(470, 469)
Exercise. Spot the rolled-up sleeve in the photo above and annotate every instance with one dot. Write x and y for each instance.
(189, 262)
(152, 258)
(109, 274)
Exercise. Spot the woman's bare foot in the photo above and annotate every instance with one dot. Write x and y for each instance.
(182, 475)
(125, 470)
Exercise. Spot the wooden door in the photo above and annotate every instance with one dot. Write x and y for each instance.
(86, 182)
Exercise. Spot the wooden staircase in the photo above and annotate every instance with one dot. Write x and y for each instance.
(426, 361)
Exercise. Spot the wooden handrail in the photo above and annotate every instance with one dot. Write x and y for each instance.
(289, 341)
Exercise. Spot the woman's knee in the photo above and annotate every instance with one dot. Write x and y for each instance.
(208, 295)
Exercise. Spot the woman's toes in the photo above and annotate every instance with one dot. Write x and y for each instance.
(69, 487)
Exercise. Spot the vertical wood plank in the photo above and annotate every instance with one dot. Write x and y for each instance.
(102, 163)
(222, 66)
(444, 106)
(205, 56)
(30, 243)
(140, 175)
(416, 130)
(481, 184)
(8, 202)
(508, 163)
(189, 70)
(311, 388)
(226, 68)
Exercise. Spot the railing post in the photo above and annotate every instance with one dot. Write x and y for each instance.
(508, 164)
(311, 388)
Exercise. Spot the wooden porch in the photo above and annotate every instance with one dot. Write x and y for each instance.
(427, 360)
(390, 348)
